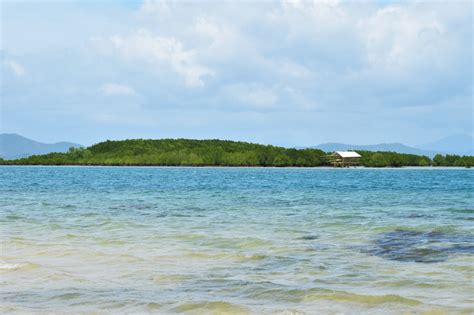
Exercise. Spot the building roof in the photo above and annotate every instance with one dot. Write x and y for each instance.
(348, 154)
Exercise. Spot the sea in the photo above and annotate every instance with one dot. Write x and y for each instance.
(114, 240)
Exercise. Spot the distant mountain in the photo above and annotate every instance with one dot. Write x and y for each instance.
(456, 144)
(13, 146)
(394, 147)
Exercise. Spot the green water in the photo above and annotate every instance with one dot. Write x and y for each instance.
(236, 240)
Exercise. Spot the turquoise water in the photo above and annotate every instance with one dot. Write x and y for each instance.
(236, 240)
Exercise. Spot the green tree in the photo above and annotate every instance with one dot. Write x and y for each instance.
(439, 160)
(378, 160)
(281, 160)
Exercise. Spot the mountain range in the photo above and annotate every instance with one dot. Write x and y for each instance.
(14, 146)
(458, 144)
(394, 147)
(455, 144)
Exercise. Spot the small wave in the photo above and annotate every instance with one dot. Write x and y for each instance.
(67, 296)
(212, 307)
(226, 256)
(463, 210)
(13, 217)
(238, 243)
(342, 296)
(152, 306)
(173, 278)
(70, 236)
(316, 294)
(308, 237)
(106, 242)
(254, 257)
(4, 266)
(16, 266)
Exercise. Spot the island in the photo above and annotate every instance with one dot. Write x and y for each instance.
(190, 152)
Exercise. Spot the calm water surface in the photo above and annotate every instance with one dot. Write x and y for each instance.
(236, 240)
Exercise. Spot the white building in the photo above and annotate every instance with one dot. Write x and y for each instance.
(345, 158)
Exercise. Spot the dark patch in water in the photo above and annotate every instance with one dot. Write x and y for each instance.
(195, 209)
(418, 215)
(142, 206)
(319, 247)
(461, 249)
(423, 247)
(13, 217)
(309, 237)
(187, 215)
(469, 211)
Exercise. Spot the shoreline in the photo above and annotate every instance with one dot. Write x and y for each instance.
(241, 167)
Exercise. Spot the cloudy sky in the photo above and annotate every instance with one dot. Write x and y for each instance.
(286, 73)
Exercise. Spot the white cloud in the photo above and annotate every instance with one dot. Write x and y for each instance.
(160, 52)
(111, 89)
(252, 95)
(300, 60)
(398, 36)
(155, 8)
(16, 68)
(313, 21)
(293, 69)
(375, 53)
(220, 41)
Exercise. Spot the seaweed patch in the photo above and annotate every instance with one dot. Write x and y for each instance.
(422, 247)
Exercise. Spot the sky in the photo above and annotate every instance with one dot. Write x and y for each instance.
(293, 73)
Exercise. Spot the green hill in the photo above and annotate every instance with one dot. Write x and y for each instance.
(186, 152)
(179, 152)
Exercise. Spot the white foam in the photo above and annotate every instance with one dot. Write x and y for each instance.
(4, 266)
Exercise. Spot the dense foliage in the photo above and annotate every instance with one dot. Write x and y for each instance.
(180, 152)
(186, 152)
(453, 160)
(392, 159)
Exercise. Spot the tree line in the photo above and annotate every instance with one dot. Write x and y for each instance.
(187, 152)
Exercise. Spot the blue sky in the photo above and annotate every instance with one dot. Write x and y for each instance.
(286, 73)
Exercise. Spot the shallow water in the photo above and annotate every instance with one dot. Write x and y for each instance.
(236, 240)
